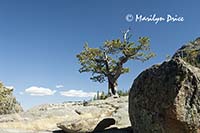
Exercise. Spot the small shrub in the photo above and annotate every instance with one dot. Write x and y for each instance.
(8, 103)
(103, 95)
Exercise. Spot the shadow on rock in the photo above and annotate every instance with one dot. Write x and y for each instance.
(116, 130)
(110, 130)
(103, 127)
(58, 131)
(105, 123)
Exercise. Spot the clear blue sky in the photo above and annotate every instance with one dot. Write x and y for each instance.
(39, 40)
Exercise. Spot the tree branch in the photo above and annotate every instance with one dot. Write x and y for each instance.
(106, 63)
(120, 63)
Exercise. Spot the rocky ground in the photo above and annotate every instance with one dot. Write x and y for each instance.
(101, 115)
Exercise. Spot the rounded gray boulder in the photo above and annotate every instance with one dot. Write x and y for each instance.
(166, 99)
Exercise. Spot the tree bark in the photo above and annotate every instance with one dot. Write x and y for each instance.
(112, 88)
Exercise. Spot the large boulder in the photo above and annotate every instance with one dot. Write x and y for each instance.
(8, 103)
(166, 99)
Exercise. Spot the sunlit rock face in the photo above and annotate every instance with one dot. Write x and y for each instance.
(166, 99)
(99, 116)
(8, 103)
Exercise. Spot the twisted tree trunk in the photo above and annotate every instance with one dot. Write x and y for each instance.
(112, 88)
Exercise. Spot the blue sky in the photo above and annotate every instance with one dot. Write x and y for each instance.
(39, 40)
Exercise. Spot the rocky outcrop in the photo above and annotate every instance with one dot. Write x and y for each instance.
(86, 125)
(98, 116)
(109, 115)
(190, 53)
(166, 99)
(8, 103)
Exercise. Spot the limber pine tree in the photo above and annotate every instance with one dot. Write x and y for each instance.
(106, 63)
